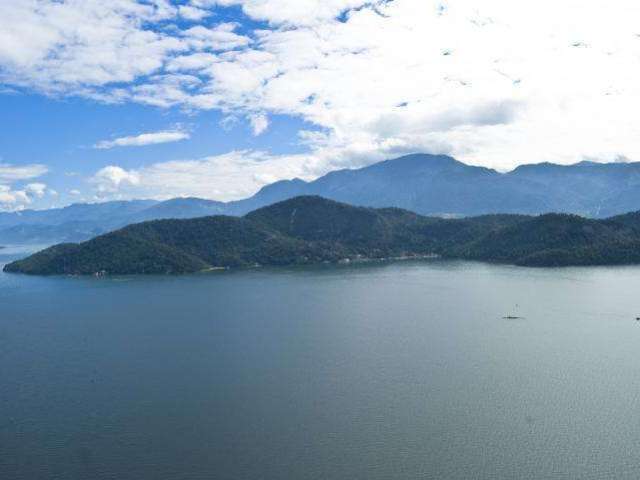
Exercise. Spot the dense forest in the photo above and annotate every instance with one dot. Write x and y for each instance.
(309, 229)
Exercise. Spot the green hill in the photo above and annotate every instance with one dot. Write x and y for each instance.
(557, 240)
(306, 230)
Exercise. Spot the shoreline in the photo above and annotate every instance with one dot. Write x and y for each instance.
(346, 262)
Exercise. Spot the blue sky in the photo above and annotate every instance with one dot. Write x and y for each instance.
(216, 98)
(62, 133)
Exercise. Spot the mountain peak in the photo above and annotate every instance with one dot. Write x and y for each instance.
(420, 160)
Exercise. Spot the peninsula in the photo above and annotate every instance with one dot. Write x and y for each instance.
(312, 230)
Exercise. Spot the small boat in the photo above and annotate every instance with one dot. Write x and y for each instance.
(511, 316)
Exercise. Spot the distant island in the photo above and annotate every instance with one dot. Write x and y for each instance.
(311, 230)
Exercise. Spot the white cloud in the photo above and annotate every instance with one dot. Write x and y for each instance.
(194, 61)
(259, 123)
(220, 37)
(494, 83)
(144, 139)
(11, 173)
(36, 189)
(14, 199)
(230, 176)
(292, 12)
(54, 46)
(192, 13)
(75, 192)
(110, 179)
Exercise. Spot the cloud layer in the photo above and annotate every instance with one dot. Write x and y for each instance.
(231, 176)
(494, 83)
(12, 198)
(143, 139)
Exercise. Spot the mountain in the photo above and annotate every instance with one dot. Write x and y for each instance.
(107, 212)
(180, 246)
(309, 229)
(429, 185)
(591, 189)
(76, 222)
(440, 185)
(37, 234)
(557, 240)
(269, 194)
(179, 208)
(80, 222)
(434, 185)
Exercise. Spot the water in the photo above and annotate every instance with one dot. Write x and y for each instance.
(403, 371)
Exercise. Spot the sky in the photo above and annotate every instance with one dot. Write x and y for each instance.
(216, 98)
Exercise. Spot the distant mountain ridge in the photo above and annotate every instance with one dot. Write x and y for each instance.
(441, 185)
(435, 185)
(310, 229)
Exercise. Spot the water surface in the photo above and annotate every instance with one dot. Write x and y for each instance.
(403, 371)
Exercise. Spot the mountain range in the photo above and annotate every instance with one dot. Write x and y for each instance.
(435, 185)
(311, 229)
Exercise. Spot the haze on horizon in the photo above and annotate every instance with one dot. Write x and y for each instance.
(216, 98)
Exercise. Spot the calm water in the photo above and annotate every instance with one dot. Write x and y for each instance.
(397, 371)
